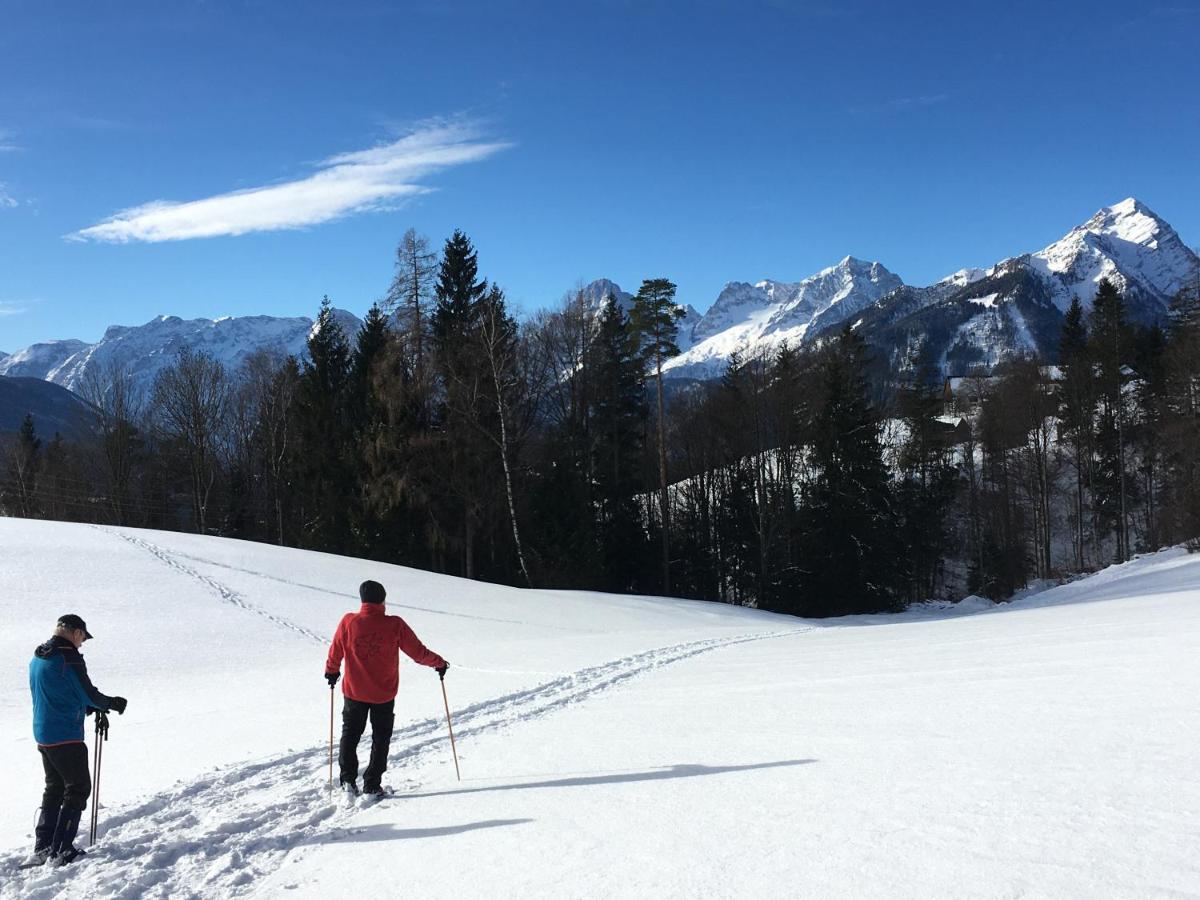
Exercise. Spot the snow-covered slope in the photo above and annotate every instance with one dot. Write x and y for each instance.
(752, 317)
(611, 746)
(146, 349)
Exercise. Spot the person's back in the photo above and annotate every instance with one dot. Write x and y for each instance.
(370, 641)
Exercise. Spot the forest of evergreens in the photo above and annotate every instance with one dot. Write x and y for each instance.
(448, 436)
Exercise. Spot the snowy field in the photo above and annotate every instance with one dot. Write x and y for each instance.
(611, 746)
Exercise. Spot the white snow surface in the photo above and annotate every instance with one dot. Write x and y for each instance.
(611, 746)
(145, 350)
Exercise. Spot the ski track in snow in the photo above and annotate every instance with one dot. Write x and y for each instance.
(221, 833)
(228, 594)
(391, 603)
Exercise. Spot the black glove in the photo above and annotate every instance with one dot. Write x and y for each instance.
(118, 704)
(332, 678)
(441, 670)
(102, 724)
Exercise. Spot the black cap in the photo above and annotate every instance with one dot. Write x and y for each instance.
(70, 620)
(371, 592)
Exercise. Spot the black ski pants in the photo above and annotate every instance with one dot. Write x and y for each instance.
(354, 722)
(68, 783)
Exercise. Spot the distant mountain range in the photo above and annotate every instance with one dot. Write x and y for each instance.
(972, 318)
(144, 350)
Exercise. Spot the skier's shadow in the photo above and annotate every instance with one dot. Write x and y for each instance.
(665, 772)
(387, 832)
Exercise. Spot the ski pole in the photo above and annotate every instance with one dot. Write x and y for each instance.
(331, 742)
(101, 737)
(451, 727)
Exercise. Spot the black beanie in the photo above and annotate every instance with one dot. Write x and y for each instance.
(371, 592)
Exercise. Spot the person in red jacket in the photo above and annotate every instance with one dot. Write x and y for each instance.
(369, 641)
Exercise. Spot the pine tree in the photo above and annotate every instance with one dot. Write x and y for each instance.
(462, 458)
(324, 443)
(1180, 421)
(1110, 345)
(926, 485)
(850, 548)
(616, 416)
(366, 421)
(1077, 408)
(655, 324)
(458, 293)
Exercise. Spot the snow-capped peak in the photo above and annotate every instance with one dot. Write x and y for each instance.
(770, 312)
(1126, 243)
(1130, 220)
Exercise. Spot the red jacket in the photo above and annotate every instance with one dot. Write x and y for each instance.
(369, 640)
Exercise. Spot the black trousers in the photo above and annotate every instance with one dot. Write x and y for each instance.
(354, 722)
(68, 783)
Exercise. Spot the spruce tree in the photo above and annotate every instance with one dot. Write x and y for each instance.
(366, 415)
(462, 462)
(1180, 422)
(458, 293)
(324, 461)
(655, 324)
(1110, 347)
(1077, 407)
(616, 428)
(850, 549)
(927, 480)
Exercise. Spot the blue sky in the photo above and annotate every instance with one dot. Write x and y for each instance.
(293, 143)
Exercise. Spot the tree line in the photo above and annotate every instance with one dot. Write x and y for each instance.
(448, 436)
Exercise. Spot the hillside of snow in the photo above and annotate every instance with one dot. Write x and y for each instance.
(611, 746)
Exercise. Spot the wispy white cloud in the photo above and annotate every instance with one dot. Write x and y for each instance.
(365, 180)
(11, 308)
(7, 200)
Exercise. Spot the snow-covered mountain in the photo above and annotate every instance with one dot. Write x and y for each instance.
(974, 317)
(144, 350)
(979, 318)
(750, 317)
(1126, 243)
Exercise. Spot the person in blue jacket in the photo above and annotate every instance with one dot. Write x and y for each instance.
(62, 695)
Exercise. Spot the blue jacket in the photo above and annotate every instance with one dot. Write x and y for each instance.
(62, 693)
